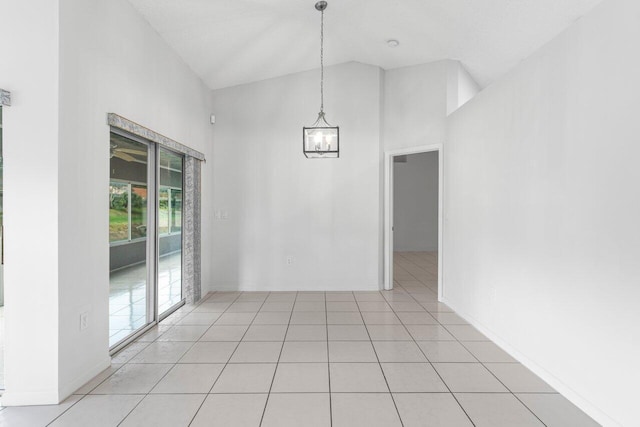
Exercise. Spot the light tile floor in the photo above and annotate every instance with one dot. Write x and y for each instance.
(396, 358)
(128, 295)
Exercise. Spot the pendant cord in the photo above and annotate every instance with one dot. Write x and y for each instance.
(322, 62)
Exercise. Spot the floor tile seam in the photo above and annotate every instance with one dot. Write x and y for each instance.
(146, 343)
(238, 342)
(116, 370)
(511, 391)
(141, 400)
(221, 371)
(421, 282)
(326, 313)
(528, 408)
(462, 343)
(440, 376)
(448, 331)
(66, 410)
(382, 370)
(275, 371)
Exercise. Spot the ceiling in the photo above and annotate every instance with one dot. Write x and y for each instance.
(230, 42)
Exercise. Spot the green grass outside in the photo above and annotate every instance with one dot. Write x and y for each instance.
(118, 225)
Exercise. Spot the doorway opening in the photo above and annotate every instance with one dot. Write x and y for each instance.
(145, 235)
(413, 219)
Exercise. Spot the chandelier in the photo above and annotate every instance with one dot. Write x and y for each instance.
(321, 140)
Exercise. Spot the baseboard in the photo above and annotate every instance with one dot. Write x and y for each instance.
(29, 399)
(575, 398)
(84, 378)
(53, 397)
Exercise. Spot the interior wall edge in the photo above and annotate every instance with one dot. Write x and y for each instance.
(82, 379)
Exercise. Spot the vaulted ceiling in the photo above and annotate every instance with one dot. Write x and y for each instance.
(230, 42)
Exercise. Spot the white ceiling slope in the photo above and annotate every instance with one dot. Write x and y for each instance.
(230, 42)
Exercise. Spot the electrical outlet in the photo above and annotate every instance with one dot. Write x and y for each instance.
(84, 320)
(225, 215)
(289, 260)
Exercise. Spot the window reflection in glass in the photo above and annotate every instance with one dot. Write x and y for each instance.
(176, 211)
(118, 212)
(138, 211)
(163, 213)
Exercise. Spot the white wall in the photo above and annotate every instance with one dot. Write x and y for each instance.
(542, 239)
(279, 204)
(417, 100)
(29, 69)
(415, 203)
(415, 105)
(110, 60)
(323, 212)
(467, 86)
(461, 87)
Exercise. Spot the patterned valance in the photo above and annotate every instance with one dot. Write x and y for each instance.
(5, 98)
(146, 133)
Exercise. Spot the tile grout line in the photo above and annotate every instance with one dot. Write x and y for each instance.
(438, 373)
(422, 351)
(176, 363)
(232, 353)
(523, 404)
(273, 378)
(66, 410)
(501, 382)
(326, 324)
(378, 359)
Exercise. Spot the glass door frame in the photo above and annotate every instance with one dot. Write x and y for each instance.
(151, 241)
(176, 306)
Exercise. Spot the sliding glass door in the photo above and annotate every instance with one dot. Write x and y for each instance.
(145, 235)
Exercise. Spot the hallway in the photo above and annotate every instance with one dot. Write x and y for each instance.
(391, 358)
